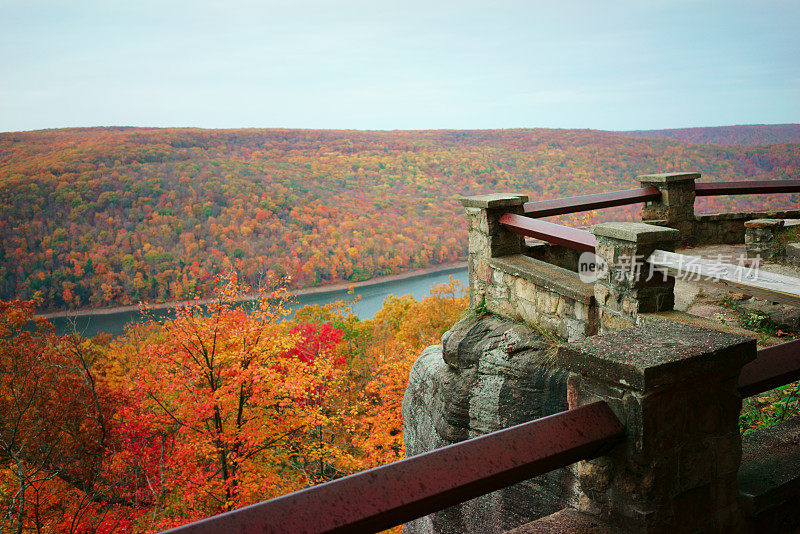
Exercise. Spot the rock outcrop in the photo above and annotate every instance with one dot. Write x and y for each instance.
(489, 373)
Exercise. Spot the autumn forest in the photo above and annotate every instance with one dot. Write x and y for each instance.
(223, 406)
(113, 216)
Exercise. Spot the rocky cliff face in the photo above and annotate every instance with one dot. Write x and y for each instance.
(489, 373)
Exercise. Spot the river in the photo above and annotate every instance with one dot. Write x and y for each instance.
(372, 297)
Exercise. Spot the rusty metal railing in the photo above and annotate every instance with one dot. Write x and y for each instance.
(558, 234)
(396, 493)
(746, 187)
(561, 206)
(775, 366)
(529, 225)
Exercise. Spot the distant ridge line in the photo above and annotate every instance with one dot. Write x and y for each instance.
(745, 134)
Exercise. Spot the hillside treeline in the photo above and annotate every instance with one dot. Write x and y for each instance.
(113, 216)
(750, 134)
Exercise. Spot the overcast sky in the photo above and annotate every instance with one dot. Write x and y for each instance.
(381, 64)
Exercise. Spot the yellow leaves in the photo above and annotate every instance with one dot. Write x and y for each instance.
(399, 332)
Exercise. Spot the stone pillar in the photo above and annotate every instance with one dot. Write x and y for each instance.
(488, 238)
(627, 285)
(675, 208)
(675, 389)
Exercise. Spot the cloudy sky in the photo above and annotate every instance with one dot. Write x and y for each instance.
(383, 64)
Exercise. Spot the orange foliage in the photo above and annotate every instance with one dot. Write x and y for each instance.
(59, 429)
(401, 329)
(204, 413)
(231, 407)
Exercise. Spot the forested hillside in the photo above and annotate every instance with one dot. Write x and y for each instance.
(751, 134)
(106, 216)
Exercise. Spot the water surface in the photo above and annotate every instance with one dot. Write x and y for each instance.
(372, 297)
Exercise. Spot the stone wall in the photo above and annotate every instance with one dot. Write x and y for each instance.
(767, 238)
(538, 293)
(539, 284)
(506, 280)
(681, 467)
(729, 228)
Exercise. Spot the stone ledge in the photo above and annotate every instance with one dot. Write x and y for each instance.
(566, 521)
(769, 475)
(730, 216)
(764, 223)
(668, 177)
(696, 320)
(551, 277)
(636, 232)
(655, 355)
(493, 200)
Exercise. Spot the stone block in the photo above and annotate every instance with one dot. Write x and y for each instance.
(504, 308)
(476, 220)
(497, 279)
(581, 311)
(549, 303)
(576, 329)
(528, 311)
(493, 200)
(635, 232)
(602, 293)
(728, 454)
(483, 271)
(505, 243)
(764, 223)
(611, 321)
(497, 293)
(668, 177)
(478, 244)
(525, 289)
(697, 464)
(596, 474)
(655, 355)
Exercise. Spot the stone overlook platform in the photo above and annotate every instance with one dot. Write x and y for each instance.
(541, 337)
